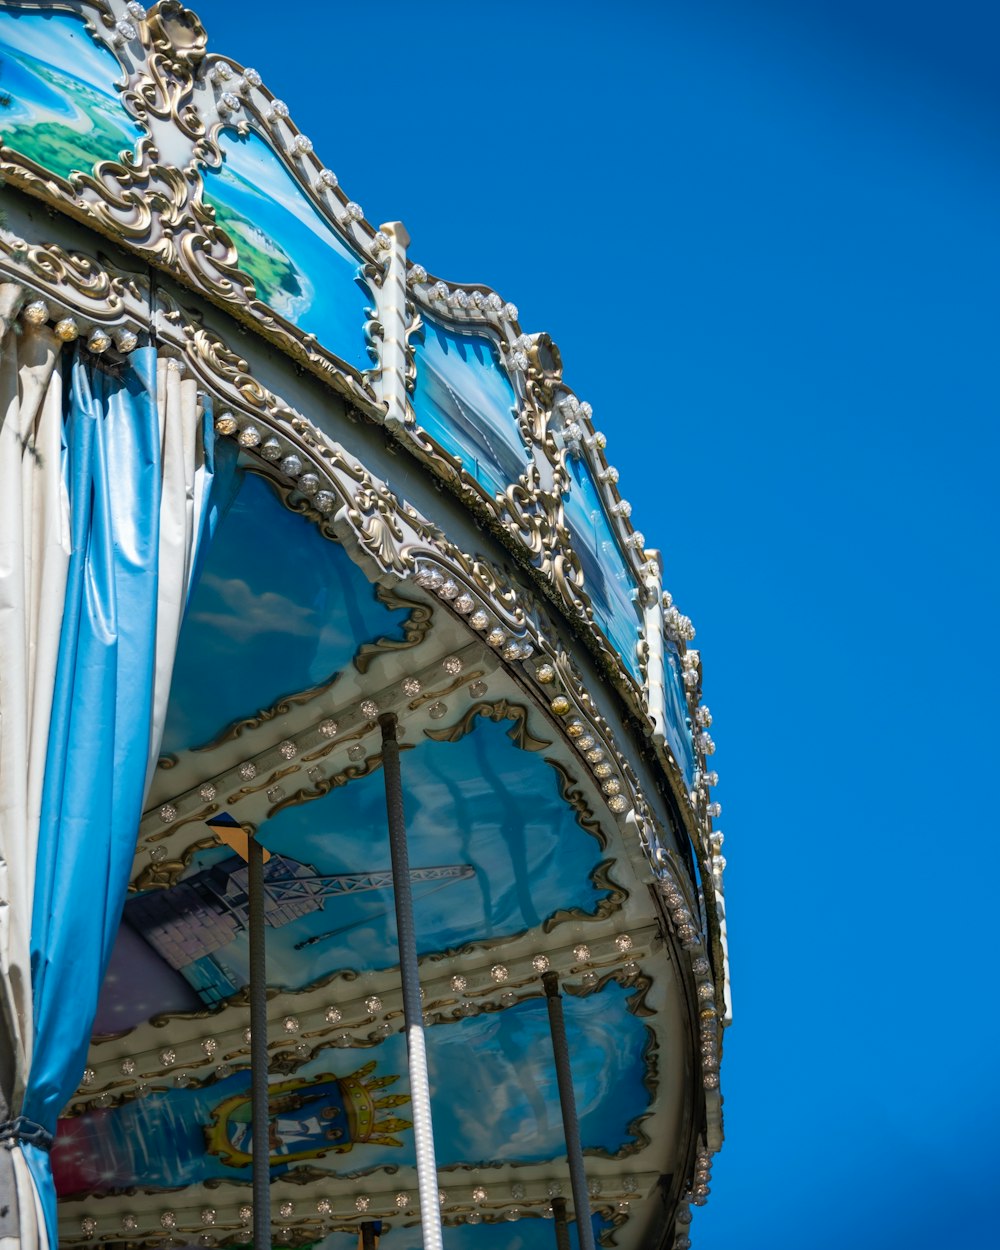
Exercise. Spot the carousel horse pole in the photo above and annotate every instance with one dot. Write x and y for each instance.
(260, 1119)
(423, 1128)
(561, 1223)
(567, 1104)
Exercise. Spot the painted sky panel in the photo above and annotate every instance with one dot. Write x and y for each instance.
(607, 578)
(290, 603)
(678, 717)
(481, 807)
(300, 265)
(500, 1061)
(58, 103)
(465, 401)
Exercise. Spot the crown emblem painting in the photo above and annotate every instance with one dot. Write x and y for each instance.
(309, 1119)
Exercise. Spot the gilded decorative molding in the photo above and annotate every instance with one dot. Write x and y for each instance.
(431, 696)
(324, 785)
(166, 873)
(264, 784)
(170, 831)
(373, 514)
(602, 880)
(571, 794)
(280, 708)
(415, 628)
(393, 539)
(170, 82)
(496, 712)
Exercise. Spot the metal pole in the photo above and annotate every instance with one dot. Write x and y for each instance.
(420, 1097)
(368, 1235)
(567, 1103)
(258, 1052)
(562, 1223)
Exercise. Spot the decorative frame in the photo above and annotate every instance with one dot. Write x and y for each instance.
(181, 97)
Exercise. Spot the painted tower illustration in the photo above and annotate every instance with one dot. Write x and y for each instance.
(193, 921)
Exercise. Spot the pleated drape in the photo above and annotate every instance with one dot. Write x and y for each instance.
(34, 557)
(106, 476)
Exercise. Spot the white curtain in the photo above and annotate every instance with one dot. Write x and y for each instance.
(161, 518)
(34, 556)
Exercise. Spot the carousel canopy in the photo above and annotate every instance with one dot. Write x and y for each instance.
(362, 495)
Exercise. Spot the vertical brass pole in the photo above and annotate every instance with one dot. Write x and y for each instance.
(423, 1129)
(562, 1223)
(567, 1103)
(260, 1120)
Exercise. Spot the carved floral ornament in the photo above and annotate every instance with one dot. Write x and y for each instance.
(181, 100)
(319, 479)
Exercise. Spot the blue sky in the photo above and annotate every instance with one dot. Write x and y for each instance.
(764, 236)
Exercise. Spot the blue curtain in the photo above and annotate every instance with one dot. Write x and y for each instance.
(99, 741)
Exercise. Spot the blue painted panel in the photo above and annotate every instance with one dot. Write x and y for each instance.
(501, 1062)
(278, 609)
(300, 265)
(528, 1233)
(480, 806)
(679, 732)
(465, 401)
(58, 104)
(608, 580)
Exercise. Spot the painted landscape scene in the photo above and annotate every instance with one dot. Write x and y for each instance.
(58, 103)
(281, 239)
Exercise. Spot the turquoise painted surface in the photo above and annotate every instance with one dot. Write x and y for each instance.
(679, 731)
(529, 1233)
(299, 264)
(58, 103)
(481, 807)
(481, 802)
(495, 1100)
(608, 580)
(277, 609)
(465, 401)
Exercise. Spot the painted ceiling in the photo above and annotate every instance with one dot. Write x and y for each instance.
(512, 872)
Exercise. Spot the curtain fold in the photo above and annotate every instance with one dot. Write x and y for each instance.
(34, 557)
(105, 497)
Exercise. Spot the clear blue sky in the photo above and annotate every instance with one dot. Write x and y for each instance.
(764, 235)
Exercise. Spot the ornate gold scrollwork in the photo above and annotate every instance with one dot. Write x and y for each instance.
(164, 91)
(209, 810)
(73, 276)
(496, 712)
(177, 36)
(166, 874)
(415, 629)
(324, 785)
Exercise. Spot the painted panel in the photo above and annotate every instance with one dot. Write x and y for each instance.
(678, 719)
(58, 105)
(496, 1100)
(465, 401)
(608, 580)
(300, 265)
(527, 1233)
(278, 608)
(486, 817)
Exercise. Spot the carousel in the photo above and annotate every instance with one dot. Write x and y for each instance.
(359, 878)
